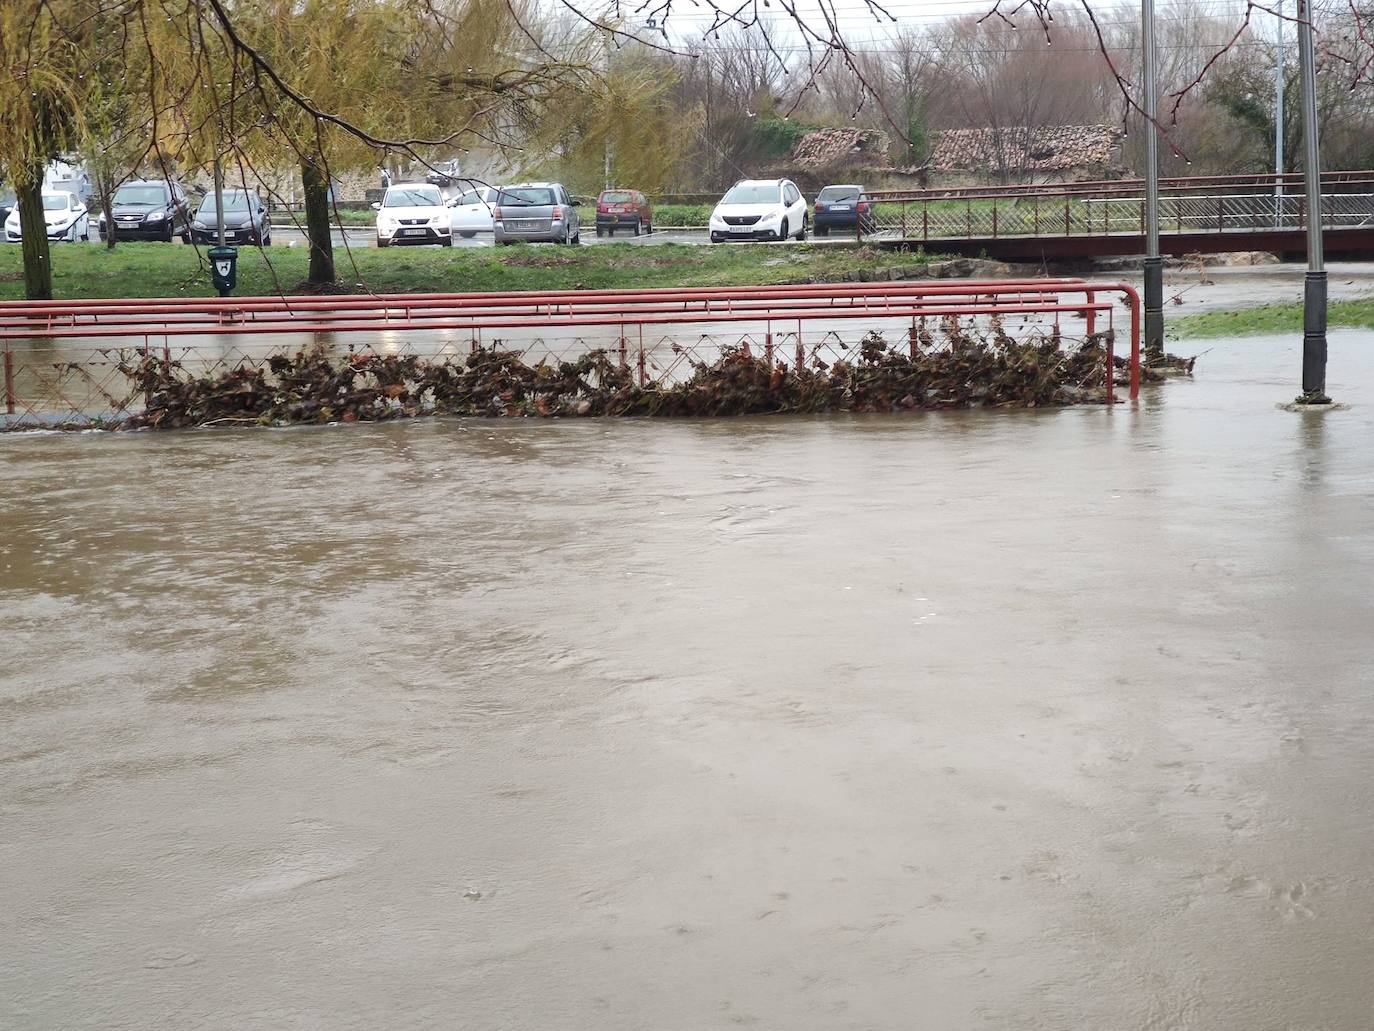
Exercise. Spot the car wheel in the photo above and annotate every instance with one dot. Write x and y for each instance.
(467, 234)
(446, 242)
(636, 229)
(801, 237)
(783, 234)
(383, 243)
(600, 231)
(649, 229)
(822, 231)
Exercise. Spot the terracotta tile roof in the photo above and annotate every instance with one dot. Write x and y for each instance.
(1051, 148)
(827, 147)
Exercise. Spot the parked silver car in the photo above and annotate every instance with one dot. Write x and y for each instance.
(536, 211)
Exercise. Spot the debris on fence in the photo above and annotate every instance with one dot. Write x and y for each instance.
(947, 366)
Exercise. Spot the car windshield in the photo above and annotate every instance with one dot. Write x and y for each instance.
(140, 195)
(232, 202)
(412, 197)
(759, 193)
(617, 197)
(54, 202)
(524, 195)
(835, 193)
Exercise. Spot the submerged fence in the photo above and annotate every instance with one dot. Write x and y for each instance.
(70, 363)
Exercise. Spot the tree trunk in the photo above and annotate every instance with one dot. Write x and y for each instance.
(28, 190)
(105, 182)
(317, 231)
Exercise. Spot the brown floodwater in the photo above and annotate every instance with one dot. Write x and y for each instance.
(1027, 720)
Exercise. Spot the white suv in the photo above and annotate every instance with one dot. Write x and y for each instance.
(760, 209)
(413, 213)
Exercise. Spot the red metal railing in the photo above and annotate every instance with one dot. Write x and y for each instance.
(628, 315)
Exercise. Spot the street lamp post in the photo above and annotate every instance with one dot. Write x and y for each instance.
(1154, 264)
(1278, 120)
(1314, 288)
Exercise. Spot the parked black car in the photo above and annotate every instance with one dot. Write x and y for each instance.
(245, 219)
(7, 203)
(150, 209)
(839, 207)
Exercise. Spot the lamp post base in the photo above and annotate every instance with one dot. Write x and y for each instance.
(1154, 308)
(1314, 340)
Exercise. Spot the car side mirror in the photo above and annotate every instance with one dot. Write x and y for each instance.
(576, 203)
(376, 206)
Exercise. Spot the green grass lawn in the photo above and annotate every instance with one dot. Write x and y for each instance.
(1270, 318)
(174, 270)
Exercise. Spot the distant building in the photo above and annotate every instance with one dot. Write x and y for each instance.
(1049, 153)
(960, 157)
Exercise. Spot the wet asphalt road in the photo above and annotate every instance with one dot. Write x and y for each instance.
(1017, 720)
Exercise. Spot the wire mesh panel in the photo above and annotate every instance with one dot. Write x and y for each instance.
(816, 364)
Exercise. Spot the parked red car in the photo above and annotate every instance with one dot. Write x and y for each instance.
(623, 209)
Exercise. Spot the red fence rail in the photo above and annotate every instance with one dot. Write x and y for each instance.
(785, 320)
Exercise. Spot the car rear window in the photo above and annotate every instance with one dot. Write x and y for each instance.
(527, 195)
(617, 197)
(833, 193)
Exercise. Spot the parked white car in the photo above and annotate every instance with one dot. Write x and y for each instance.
(760, 209)
(413, 213)
(65, 215)
(473, 211)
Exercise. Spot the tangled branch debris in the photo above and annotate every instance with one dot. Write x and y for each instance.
(950, 368)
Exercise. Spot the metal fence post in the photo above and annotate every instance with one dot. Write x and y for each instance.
(9, 381)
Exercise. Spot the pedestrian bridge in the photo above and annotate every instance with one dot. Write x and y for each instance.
(1097, 219)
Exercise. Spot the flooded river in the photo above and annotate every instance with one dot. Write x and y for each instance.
(1012, 720)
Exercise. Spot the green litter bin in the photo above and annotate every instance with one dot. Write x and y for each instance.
(224, 269)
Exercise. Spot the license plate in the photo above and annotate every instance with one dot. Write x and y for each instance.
(741, 229)
(839, 207)
(412, 232)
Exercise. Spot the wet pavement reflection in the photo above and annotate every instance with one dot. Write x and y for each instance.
(1031, 720)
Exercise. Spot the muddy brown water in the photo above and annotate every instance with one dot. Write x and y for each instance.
(1030, 720)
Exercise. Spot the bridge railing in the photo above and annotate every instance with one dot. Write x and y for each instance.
(1217, 204)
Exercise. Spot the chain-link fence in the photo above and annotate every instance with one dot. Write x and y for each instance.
(109, 362)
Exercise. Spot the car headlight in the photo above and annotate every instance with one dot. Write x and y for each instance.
(155, 216)
(772, 216)
(199, 224)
